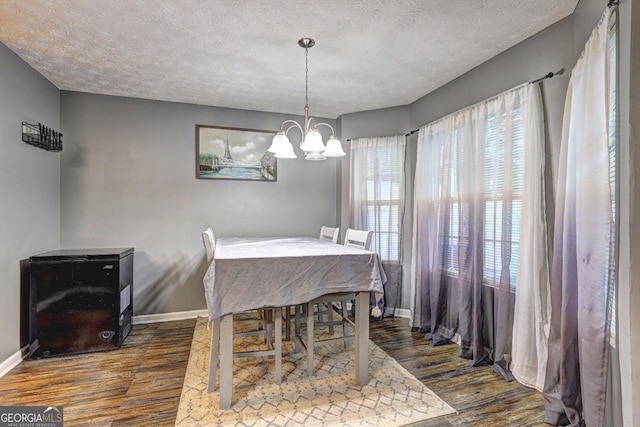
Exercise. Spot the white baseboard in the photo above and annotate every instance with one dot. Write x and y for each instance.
(457, 339)
(390, 311)
(13, 361)
(402, 312)
(167, 317)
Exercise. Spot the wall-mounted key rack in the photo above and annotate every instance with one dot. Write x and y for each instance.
(41, 136)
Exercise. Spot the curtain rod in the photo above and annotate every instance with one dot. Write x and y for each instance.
(350, 139)
(549, 75)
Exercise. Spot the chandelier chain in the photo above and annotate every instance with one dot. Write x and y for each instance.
(306, 76)
(311, 143)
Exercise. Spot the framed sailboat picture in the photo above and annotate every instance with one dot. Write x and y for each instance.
(231, 153)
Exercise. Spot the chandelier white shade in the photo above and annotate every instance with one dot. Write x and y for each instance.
(311, 143)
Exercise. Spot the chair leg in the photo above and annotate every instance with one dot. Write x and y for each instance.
(278, 345)
(287, 323)
(213, 358)
(310, 339)
(261, 319)
(329, 306)
(296, 327)
(345, 326)
(269, 329)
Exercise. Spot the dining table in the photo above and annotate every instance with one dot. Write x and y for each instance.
(265, 272)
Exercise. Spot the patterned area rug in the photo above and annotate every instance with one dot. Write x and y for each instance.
(393, 396)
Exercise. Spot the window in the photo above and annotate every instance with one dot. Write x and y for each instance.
(384, 182)
(449, 214)
(377, 192)
(504, 160)
(501, 190)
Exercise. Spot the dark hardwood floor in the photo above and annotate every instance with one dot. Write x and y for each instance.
(481, 396)
(140, 384)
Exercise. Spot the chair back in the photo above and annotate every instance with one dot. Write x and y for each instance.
(360, 239)
(213, 237)
(329, 234)
(209, 242)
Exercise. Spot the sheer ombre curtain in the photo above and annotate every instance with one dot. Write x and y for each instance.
(583, 269)
(376, 202)
(532, 311)
(479, 175)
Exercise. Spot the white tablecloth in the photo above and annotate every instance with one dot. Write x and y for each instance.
(251, 273)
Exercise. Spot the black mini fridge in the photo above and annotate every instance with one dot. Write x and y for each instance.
(80, 300)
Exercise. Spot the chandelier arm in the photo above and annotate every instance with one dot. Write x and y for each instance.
(333, 132)
(308, 125)
(293, 123)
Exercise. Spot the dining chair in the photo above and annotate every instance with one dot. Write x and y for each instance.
(360, 239)
(330, 234)
(209, 242)
(266, 321)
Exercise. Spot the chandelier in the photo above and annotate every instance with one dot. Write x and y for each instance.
(311, 142)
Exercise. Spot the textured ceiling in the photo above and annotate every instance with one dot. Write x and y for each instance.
(369, 54)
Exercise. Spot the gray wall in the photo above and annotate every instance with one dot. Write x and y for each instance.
(128, 179)
(29, 185)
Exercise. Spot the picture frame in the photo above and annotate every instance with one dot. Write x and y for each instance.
(228, 153)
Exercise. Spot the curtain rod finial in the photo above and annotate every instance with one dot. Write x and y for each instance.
(549, 75)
